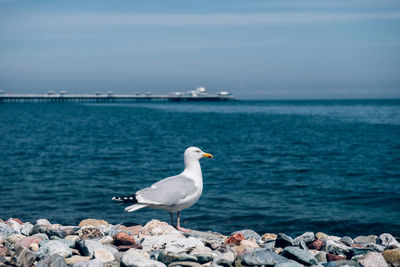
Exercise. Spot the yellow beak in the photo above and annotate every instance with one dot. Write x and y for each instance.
(208, 155)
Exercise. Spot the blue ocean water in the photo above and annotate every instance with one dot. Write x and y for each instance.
(279, 166)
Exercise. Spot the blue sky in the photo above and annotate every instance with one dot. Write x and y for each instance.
(269, 49)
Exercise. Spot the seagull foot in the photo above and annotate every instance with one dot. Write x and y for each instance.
(183, 229)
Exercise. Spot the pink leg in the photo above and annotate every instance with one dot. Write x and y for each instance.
(178, 221)
(172, 218)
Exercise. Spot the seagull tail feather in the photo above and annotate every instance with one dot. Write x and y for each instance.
(135, 207)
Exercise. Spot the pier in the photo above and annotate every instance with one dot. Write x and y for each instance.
(100, 98)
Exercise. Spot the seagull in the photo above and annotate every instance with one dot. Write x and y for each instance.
(174, 193)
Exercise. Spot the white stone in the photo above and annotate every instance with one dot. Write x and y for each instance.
(129, 260)
(388, 240)
(14, 225)
(75, 259)
(72, 238)
(155, 227)
(54, 247)
(14, 238)
(42, 222)
(372, 259)
(106, 240)
(138, 252)
(103, 255)
(26, 229)
(184, 245)
(156, 242)
(1, 240)
(225, 259)
(34, 247)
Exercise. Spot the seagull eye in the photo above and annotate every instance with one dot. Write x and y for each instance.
(198, 151)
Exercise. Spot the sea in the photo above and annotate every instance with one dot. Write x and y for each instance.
(279, 166)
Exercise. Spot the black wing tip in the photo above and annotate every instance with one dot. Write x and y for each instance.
(126, 199)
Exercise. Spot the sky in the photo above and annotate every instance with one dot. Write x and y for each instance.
(272, 49)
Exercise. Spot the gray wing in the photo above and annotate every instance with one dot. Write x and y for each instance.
(168, 191)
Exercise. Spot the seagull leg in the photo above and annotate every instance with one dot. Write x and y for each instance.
(172, 218)
(178, 221)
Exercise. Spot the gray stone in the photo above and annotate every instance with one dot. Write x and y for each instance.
(87, 247)
(299, 255)
(14, 225)
(42, 222)
(26, 229)
(54, 260)
(6, 231)
(90, 263)
(50, 230)
(184, 245)
(373, 259)
(344, 263)
(321, 256)
(361, 251)
(375, 247)
(54, 247)
(185, 264)
(224, 259)
(303, 245)
(158, 242)
(262, 257)
(307, 237)
(69, 243)
(388, 241)
(204, 257)
(168, 257)
(23, 257)
(129, 260)
(42, 236)
(289, 264)
(248, 234)
(283, 241)
(211, 239)
(365, 239)
(335, 247)
(269, 244)
(103, 255)
(347, 240)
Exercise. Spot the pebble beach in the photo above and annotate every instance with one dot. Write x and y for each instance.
(96, 243)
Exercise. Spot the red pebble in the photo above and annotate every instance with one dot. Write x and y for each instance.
(333, 257)
(316, 244)
(235, 239)
(124, 239)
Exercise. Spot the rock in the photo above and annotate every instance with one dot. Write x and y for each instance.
(184, 264)
(372, 259)
(129, 260)
(392, 256)
(307, 238)
(224, 259)
(184, 245)
(12, 239)
(42, 222)
(49, 230)
(4, 251)
(361, 251)
(316, 244)
(34, 247)
(14, 225)
(262, 257)
(90, 232)
(289, 264)
(134, 230)
(269, 244)
(249, 234)
(211, 239)
(321, 236)
(333, 257)
(42, 236)
(365, 239)
(27, 241)
(72, 238)
(268, 237)
(169, 257)
(76, 258)
(6, 231)
(54, 247)
(93, 222)
(155, 227)
(299, 255)
(24, 257)
(235, 239)
(245, 246)
(342, 263)
(1, 240)
(376, 247)
(283, 241)
(89, 263)
(157, 242)
(67, 230)
(347, 240)
(54, 260)
(123, 239)
(103, 255)
(26, 229)
(321, 256)
(106, 240)
(335, 247)
(138, 253)
(388, 241)
(126, 247)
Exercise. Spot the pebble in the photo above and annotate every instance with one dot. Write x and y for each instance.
(321, 235)
(12, 239)
(388, 241)
(26, 229)
(138, 253)
(23, 257)
(6, 231)
(157, 242)
(89, 232)
(283, 240)
(169, 257)
(334, 257)
(211, 239)
(299, 255)
(53, 261)
(89, 263)
(263, 257)
(34, 247)
(134, 230)
(76, 258)
(106, 240)
(321, 256)
(184, 264)
(235, 239)
(4, 251)
(93, 222)
(392, 255)
(336, 247)
(129, 260)
(268, 236)
(289, 264)
(184, 245)
(27, 241)
(348, 241)
(155, 227)
(342, 263)
(42, 222)
(14, 225)
(249, 234)
(103, 255)
(224, 259)
(123, 239)
(54, 247)
(373, 259)
(1, 240)
(365, 239)
(307, 238)
(317, 244)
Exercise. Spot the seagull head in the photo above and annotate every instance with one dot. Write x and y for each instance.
(195, 153)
